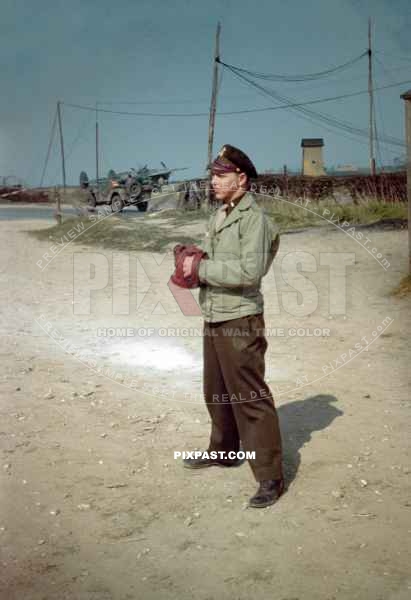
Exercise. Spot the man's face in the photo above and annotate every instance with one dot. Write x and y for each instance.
(227, 185)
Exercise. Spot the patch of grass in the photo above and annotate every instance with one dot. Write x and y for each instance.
(403, 288)
(157, 232)
(115, 233)
(293, 216)
(370, 212)
(290, 216)
(180, 216)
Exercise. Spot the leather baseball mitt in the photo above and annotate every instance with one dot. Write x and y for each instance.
(180, 254)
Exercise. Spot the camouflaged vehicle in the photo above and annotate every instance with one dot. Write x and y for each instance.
(130, 188)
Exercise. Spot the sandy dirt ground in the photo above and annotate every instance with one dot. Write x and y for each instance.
(93, 504)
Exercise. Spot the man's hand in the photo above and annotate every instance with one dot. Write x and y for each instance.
(187, 260)
(187, 266)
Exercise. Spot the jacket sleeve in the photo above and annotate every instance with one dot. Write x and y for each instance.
(247, 270)
(275, 243)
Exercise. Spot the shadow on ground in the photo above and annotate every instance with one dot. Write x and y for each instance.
(298, 420)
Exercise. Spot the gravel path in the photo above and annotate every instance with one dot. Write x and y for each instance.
(93, 505)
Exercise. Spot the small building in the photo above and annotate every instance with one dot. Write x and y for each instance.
(313, 164)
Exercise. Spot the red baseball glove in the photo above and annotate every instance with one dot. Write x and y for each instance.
(180, 254)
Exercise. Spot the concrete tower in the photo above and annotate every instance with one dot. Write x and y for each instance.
(313, 164)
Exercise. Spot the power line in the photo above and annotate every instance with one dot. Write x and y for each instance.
(165, 102)
(132, 113)
(386, 71)
(316, 101)
(52, 134)
(288, 104)
(336, 81)
(316, 115)
(394, 56)
(295, 78)
(379, 106)
(322, 117)
(80, 136)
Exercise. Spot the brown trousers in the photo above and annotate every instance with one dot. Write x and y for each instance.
(239, 401)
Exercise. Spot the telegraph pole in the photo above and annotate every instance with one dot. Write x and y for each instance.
(407, 98)
(371, 99)
(53, 133)
(213, 108)
(97, 156)
(63, 162)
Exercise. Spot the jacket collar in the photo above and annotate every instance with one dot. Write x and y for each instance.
(246, 201)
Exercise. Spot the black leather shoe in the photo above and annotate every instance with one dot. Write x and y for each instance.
(202, 463)
(268, 493)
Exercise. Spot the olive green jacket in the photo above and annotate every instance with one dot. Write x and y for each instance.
(241, 250)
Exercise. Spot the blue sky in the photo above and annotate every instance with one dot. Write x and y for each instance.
(159, 55)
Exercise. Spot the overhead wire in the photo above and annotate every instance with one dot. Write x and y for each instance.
(388, 74)
(329, 122)
(379, 106)
(322, 117)
(320, 83)
(287, 104)
(295, 78)
(336, 81)
(165, 102)
(408, 59)
(389, 78)
(80, 136)
(50, 144)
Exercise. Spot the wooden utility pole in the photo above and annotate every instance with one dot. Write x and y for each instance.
(57, 212)
(371, 99)
(97, 156)
(63, 162)
(213, 108)
(407, 98)
(52, 135)
(285, 171)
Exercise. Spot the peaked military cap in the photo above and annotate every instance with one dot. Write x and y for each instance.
(233, 160)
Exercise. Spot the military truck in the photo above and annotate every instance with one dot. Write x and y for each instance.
(129, 188)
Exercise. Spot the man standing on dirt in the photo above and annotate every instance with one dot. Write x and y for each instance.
(241, 244)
